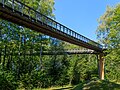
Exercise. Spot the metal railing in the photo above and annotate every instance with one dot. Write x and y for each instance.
(35, 16)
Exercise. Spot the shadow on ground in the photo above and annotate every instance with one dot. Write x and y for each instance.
(94, 85)
(66, 88)
(97, 85)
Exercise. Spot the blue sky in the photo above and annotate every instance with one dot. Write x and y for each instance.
(81, 15)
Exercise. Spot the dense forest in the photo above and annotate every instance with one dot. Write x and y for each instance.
(23, 65)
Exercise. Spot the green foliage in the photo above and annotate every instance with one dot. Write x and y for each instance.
(7, 81)
(43, 6)
(15, 43)
(83, 67)
(97, 85)
(109, 34)
(22, 62)
(21, 54)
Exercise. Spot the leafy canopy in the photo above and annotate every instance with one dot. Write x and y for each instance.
(108, 33)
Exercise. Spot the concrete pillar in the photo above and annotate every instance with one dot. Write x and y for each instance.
(101, 66)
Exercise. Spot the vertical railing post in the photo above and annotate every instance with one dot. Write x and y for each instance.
(67, 30)
(13, 5)
(41, 18)
(63, 28)
(70, 32)
(52, 24)
(29, 12)
(22, 9)
(3, 2)
(47, 21)
(36, 16)
(60, 27)
(101, 66)
(56, 25)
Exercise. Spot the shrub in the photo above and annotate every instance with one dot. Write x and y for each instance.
(7, 81)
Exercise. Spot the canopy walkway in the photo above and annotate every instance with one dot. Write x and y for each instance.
(21, 14)
(26, 16)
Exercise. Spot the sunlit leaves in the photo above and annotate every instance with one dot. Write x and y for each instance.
(45, 7)
(109, 34)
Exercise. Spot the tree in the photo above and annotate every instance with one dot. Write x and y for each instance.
(20, 47)
(45, 7)
(109, 35)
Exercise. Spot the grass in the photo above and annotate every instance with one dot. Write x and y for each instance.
(58, 88)
(92, 85)
(98, 85)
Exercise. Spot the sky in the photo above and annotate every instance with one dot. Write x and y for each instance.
(82, 15)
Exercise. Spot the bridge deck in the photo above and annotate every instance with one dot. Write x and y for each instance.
(26, 16)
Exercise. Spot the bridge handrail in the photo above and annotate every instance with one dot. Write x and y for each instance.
(46, 20)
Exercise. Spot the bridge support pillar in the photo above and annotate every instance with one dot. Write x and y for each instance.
(101, 66)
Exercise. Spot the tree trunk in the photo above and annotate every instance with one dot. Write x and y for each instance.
(19, 54)
(9, 60)
(0, 45)
(4, 55)
(41, 56)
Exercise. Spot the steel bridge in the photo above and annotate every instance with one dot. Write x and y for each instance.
(21, 14)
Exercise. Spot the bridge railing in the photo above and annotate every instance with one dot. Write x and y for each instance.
(35, 16)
